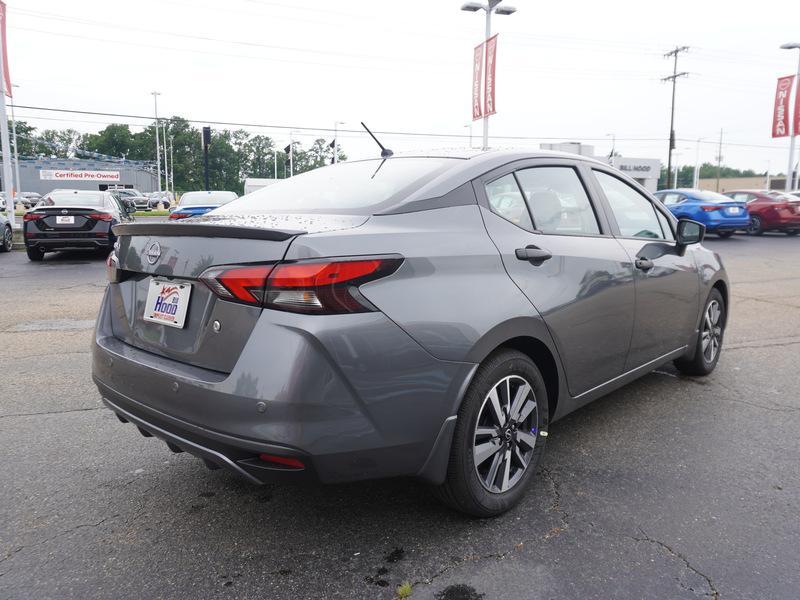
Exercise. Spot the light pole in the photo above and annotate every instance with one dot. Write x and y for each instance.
(336, 140)
(158, 142)
(489, 8)
(166, 162)
(171, 173)
(14, 142)
(696, 178)
(791, 182)
(275, 154)
(673, 78)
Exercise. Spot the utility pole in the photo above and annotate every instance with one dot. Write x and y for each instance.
(719, 159)
(172, 172)
(674, 54)
(158, 143)
(206, 144)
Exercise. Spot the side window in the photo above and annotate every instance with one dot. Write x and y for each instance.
(557, 200)
(635, 215)
(506, 200)
(672, 198)
(742, 197)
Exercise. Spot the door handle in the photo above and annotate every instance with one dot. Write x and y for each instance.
(533, 254)
(644, 264)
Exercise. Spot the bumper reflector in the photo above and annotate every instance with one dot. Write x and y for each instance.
(292, 463)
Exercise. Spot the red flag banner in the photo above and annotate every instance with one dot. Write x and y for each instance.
(796, 129)
(489, 82)
(780, 115)
(5, 48)
(477, 66)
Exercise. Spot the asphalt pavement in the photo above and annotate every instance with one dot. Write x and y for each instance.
(671, 487)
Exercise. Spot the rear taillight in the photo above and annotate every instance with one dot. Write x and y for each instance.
(243, 284)
(710, 208)
(32, 216)
(178, 215)
(101, 216)
(312, 287)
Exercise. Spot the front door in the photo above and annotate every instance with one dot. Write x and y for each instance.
(667, 280)
(558, 250)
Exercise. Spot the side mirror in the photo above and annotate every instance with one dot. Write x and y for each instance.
(690, 232)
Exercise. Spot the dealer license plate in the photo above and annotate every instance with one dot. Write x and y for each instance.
(167, 302)
(734, 210)
(69, 220)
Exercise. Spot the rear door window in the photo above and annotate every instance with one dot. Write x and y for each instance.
(505, 200)
(558, 201)
(635, 214)
(671, 198)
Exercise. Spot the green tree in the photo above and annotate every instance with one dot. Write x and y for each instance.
(115, 140)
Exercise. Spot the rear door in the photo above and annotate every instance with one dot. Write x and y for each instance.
(666, 276)
(558, 249)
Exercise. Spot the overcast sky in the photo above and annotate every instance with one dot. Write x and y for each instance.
(575, 71)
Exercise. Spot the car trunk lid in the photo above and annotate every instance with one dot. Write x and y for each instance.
(214, 331)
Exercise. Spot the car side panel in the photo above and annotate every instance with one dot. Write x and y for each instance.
(452, 288)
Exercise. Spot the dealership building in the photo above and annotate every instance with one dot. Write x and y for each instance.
(46, 174)
(644, 171)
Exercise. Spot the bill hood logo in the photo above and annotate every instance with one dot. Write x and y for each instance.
(154, 253)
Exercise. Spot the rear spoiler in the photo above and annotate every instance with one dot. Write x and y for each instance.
(197, 230)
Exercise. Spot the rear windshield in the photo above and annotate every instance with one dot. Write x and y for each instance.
(358, 187)
(206, 198)
(72, 199)
(710, 196)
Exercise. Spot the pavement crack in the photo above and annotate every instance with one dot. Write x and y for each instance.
(713, 592)
(556, 506)
(52, 412)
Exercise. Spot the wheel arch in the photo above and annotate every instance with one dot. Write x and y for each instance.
(530, 336)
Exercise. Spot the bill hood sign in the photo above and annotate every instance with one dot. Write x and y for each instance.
(780, 115)
(52, 175)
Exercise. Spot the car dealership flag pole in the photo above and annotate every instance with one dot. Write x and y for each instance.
(490, 45)
(5, 90)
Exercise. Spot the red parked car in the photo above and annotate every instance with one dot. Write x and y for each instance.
(770, 210)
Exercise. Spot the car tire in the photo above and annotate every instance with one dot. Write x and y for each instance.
(712, 328)
(756, 226)
(7, 243)
(34, 254)
(792, 232)
(490, 488)
(724, 234)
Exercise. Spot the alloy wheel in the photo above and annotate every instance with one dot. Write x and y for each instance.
(7, 238)
(755, 226)
(711, 335)
(505, 434)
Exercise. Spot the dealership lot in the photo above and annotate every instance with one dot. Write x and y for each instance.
(670, 487)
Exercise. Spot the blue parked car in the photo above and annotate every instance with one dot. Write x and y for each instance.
(194, 204)
(720, 214)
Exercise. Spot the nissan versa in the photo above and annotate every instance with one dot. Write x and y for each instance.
(422, 316)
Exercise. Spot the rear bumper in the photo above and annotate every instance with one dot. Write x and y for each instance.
(792, 222)
(352, 398)
(78, 243)
(728, 225)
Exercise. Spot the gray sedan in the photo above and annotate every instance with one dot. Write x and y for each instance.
(424, 316)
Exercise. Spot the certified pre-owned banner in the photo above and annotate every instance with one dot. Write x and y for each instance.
(780, 116)
(477, 66)
(488, 87)
(51, 175)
